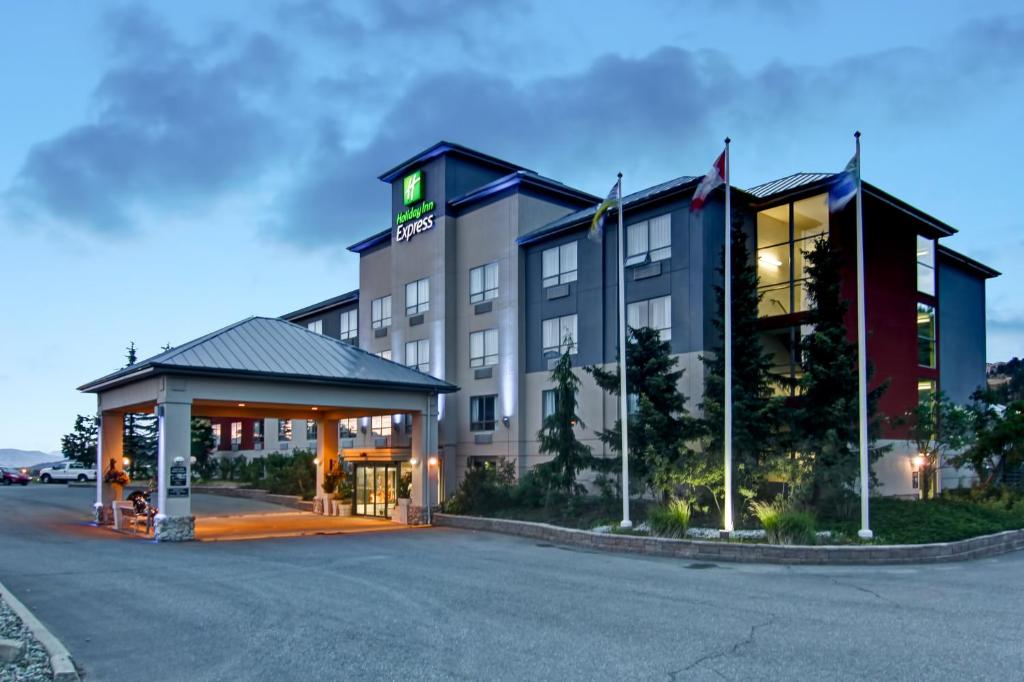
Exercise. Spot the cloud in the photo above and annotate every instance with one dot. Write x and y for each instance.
(175, 124)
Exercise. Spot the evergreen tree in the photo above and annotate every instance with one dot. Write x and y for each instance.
(755, 409)
(202, 444)
(660, 428)
(140, 430)
(825, 426)
(80, 444)
(557, 436)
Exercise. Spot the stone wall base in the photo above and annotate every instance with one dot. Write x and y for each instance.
(174, 528)
(418, 515)
(102, 515)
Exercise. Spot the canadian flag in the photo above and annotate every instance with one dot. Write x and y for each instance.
(714, 178)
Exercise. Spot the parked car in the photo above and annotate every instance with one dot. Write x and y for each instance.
(66, 471)
(9, 476)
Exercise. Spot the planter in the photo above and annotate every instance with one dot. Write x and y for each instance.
(344, 507)
(400, 514)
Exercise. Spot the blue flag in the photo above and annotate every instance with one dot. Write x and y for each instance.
(844, 186)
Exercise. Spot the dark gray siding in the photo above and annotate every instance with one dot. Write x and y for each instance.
(331, 319)
(961, 331)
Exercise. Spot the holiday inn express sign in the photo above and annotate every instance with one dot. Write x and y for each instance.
(415, 218)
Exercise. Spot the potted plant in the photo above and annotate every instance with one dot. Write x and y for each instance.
(343, 497)
(400, 514)
(329, 485)
(117, 479)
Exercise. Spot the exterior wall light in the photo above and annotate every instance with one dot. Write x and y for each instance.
(179, 460)
(316, 461)
(917, 461)
(127, 462)
(241, 404)
(413, 461)
(432, 461)
(506, 420)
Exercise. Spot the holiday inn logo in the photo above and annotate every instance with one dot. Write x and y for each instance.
(412, 188)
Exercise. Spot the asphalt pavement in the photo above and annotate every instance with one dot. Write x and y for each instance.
(440, 604)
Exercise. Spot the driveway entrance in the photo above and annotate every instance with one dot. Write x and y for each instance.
(286, 524)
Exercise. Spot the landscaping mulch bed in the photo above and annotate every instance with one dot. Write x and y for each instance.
(34, 664)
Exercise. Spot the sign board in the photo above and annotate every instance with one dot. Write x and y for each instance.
(178, 482)
(412, 188)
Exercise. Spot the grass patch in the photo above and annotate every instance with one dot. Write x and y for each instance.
(945, 519)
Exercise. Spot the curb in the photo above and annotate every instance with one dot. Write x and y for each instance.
(257, 495)
(980, 547)
(60, 660)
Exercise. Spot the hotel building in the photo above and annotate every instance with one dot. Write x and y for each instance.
(485, 269)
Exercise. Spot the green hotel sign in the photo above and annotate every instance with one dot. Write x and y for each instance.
(418, 215)
(412, 188)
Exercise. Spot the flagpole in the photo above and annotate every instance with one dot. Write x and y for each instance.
(623, 395)
(727, 333)
(862, 368)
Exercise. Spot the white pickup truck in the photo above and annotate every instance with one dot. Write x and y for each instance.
(66, 471)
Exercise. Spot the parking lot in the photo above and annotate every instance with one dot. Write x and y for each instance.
(447, 604)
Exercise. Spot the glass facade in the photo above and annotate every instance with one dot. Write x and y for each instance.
(925, 335)
(926, 265)
(376, 488)
(784, 234)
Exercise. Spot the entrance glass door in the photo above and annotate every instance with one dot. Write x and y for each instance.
(376, 486)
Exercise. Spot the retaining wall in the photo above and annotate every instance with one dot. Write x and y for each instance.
(252, 494)
(705, 550)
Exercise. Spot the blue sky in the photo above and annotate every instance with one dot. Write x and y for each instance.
(166, 169)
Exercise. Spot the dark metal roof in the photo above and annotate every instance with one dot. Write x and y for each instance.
(801, 183)
(968, 263)
(523, 178)
(348, 297)
(444, 147)
(786, 184)
(271, 348)
(585, 215)
(371, 241)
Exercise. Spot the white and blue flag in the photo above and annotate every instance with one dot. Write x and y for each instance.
(844, 186)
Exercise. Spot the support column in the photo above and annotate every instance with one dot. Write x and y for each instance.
(326, 457)
(109, 454)
(424, 475)
(174, 521)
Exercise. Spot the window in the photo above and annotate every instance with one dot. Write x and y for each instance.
(655, 313)
(547, 403)
(483, 283)
(925, 335)
(560, 334)
(347, 428)
(349, 324)
(926, 265)
(284, 429)
(257, 434)
(310, 429)
(925, 391)
(417, 355)
(560, 265)
(380, 312)
(386, 354)
(217, 435)
(417, 297)
(481, 413)
(316, 326)
(236, 434)
(381, 425)
(483, 348)
(784, 234)
(650, 240)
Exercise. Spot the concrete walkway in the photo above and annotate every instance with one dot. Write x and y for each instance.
(286, 524)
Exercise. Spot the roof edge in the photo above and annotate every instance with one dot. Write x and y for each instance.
(444, 147)
(525, 178)
(322, 305)
(968, 262)
(371, 241)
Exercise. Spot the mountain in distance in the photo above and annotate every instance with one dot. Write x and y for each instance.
(14, 458)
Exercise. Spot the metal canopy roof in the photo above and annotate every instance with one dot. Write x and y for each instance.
(275, 349)
(786, 184)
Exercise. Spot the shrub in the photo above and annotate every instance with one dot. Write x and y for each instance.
(785, 524)
(671, 520)
(291, 475)
(483, 490)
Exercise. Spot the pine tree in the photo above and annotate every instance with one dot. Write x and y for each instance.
(80, 444)
(755, 409)
(826, 421)
(557, 436)
(140, 430)
(660, 428)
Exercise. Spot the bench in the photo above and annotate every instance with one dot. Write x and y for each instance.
(124, 513)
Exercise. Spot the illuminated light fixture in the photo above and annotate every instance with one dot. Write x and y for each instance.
(770, 261)
(316, 461)
(241, 404)
(126, 462)
(413, 461)
(917, 461)
(506, 420)
(924, 319)
(432, 461)
(922, 253)
(314, 408)
(192, 460)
